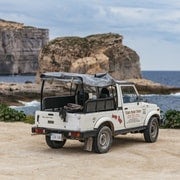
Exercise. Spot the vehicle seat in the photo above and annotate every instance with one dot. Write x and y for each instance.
(82, 97)
(104, 93)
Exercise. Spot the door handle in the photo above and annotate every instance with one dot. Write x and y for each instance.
(126, 108)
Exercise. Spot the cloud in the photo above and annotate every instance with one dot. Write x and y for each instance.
(79, 16)
(141, 22)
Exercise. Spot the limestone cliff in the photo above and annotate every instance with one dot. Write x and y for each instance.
(92, 54)
(19, 47)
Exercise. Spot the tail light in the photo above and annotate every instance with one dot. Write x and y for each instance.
(38, 130)
(75, 134)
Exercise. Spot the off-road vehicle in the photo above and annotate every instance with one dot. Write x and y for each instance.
(92, 109)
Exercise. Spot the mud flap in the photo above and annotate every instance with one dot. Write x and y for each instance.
(88, 144)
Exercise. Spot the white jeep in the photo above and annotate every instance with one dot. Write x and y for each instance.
(93, 109)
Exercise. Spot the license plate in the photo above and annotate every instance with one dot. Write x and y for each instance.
(56, 137)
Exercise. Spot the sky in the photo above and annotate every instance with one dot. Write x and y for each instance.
(150, 27)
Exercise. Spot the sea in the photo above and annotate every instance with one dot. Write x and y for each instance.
(169, 78)
(165, 102)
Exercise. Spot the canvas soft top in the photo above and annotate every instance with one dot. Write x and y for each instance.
(98, 80)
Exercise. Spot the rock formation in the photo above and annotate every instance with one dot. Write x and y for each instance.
(19, 47)
(92, 54)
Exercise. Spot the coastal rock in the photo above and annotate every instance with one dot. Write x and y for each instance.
(92, 54)
(19, 47)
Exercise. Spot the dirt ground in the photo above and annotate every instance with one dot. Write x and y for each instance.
(23, 156)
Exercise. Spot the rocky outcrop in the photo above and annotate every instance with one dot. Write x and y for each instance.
(92, 54)
(19, 47)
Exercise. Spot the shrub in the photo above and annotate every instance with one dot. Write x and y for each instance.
(29, 119)
(172, 119)
(10, 115)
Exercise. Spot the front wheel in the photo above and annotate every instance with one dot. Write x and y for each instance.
(103, 141)
(54, 144)
(152, 130)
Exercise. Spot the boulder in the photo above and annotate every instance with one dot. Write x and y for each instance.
(92, 54)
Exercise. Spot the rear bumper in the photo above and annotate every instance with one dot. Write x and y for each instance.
(67, 134)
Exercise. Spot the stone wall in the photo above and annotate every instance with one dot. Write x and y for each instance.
(92, 54)
(19, 47)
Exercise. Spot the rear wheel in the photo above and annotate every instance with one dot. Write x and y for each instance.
(54, 144)
(152, 130)
(103, 141)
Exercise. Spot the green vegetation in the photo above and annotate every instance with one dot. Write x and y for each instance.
(8, 114)
(172, 119)
(29, 119)
(11, 115)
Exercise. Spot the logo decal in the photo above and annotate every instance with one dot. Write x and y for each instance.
(117, 118)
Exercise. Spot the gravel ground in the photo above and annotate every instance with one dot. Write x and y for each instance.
(23, 156)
